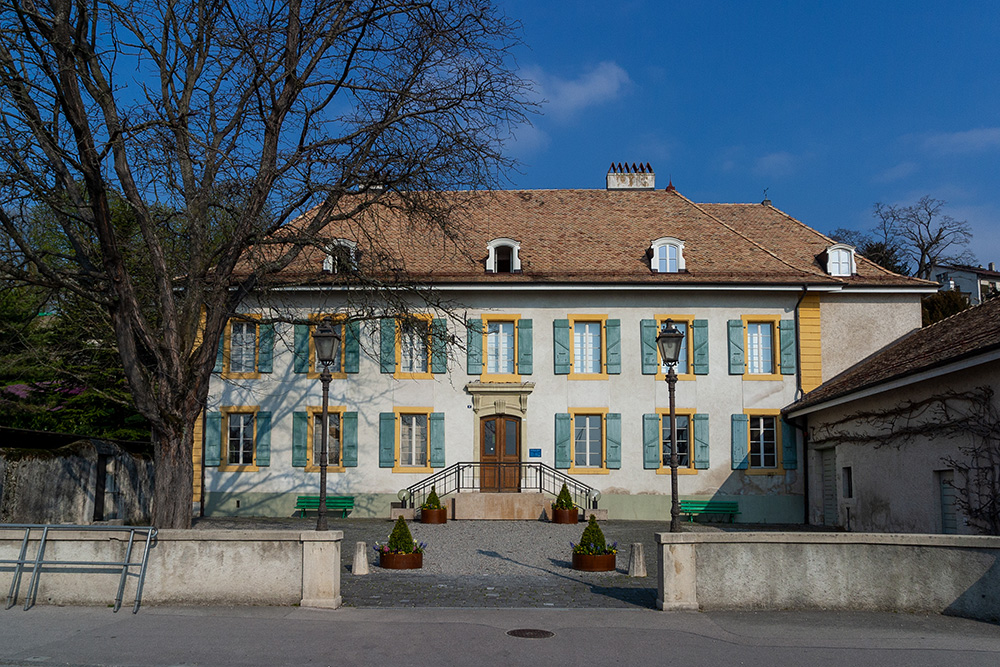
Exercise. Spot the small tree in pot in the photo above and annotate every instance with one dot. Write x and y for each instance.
(593, 554)
(432, 511)
(401, 552)
(563, 509)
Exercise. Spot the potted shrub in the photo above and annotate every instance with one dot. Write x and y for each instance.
(593, 554)
(401, 552)
(563, 509)
(431, 511)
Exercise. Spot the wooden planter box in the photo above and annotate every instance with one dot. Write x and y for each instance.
(434, 516)
(591, 563)
(401, 561)
(565, 516)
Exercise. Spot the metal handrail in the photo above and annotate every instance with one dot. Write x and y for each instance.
(39, 561)
(468, 476)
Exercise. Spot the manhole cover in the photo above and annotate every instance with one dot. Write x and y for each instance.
(530, 633)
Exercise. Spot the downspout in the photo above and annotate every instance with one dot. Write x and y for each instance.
(798, 395)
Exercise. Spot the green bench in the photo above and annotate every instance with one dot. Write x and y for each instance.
(696, 507)
(342, 503)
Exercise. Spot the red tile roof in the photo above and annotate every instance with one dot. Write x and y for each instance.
(966, 334)
(601, 236)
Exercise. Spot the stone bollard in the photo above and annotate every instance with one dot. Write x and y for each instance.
(361, 559)
(637, 561)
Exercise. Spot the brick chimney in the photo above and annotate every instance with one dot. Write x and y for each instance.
(623, 177)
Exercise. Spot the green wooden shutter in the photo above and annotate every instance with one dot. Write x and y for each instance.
(349, 434)
(650, 356)
(561, 351)
(700, 426)
(699, 350)
(439, 347)
(263, 458)
(786, 335)
(437, 439)
(386, 439)
(741, 442)
(651, 442)
(789, 447)
(525, 348)
(300, 439)
(220, 354)
(352, 347)
(613, 335)
(213, 439)
(301, 343)
(387, 345)
(613, 440)
(265, 350)
(737, 363)
(474, 347)
(564, 434)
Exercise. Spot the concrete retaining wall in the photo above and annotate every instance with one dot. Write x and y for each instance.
(951, 574)
(270, 567)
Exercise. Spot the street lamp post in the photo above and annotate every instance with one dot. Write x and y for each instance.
(325, 338)
(669, 343)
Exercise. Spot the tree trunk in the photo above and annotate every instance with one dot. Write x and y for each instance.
(173, 490)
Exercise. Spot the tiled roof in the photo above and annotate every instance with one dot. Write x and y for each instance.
(602, 236)
(971, 332)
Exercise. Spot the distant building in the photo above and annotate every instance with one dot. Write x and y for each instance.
(977, 283)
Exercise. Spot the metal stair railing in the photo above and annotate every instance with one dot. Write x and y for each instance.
(39, 561)
(468, 476)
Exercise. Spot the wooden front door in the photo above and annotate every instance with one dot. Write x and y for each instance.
(500, 443)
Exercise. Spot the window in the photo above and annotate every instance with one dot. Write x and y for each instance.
(760, 348)
(667, 255)
(588, 441)
(693, 357)
(763, 450)
(413, 347)
(246, 348)
(692, 441)
(683, 367)
(238, 438)
(341, 257)
(840, 260)
(411, 440)
(307, 438)
(504, 256)
(586, 347)
(499, 348)
(334, 440)
(848, 479)
(500, 344)
(683, 441)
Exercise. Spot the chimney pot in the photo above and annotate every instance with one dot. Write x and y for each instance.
(631, 177)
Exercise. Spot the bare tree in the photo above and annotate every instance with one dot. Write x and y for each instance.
(924, 234)
(214, 123)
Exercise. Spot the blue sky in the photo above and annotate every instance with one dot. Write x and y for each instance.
(832, 106)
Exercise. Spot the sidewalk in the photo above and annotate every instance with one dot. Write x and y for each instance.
(274, 636)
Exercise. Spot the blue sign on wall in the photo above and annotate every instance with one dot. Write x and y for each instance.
(535, 453)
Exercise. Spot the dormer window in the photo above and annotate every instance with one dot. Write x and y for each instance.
(667, 255)
(341, 257)
(840, 260)
(504, 256)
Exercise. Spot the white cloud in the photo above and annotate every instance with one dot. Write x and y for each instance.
(969, 141)
(897, 173)
(781, 163)
(526, 140)
(565, 97)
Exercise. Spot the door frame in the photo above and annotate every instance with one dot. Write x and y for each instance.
(500, 399)
(505, 473)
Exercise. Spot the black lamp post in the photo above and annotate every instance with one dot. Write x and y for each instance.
(669, 343)
(325, 338)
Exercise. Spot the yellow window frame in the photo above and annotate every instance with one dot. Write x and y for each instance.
(227, 410)
(500, 377)
(775, 373)
(680, 412)
(573, 319)
(398, 422)
(338, 318)
(315, 411)
(688, 321)
(573, 469)
(227, 348)
(779, 468)
(423, 375)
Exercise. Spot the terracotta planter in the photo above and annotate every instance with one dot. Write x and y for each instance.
(598, 563)
(565, 516)
(401, 561)
(434, 516)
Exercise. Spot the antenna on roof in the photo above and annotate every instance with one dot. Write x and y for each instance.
(766, 202)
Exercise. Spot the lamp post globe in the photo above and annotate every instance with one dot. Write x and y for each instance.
(669, 342)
